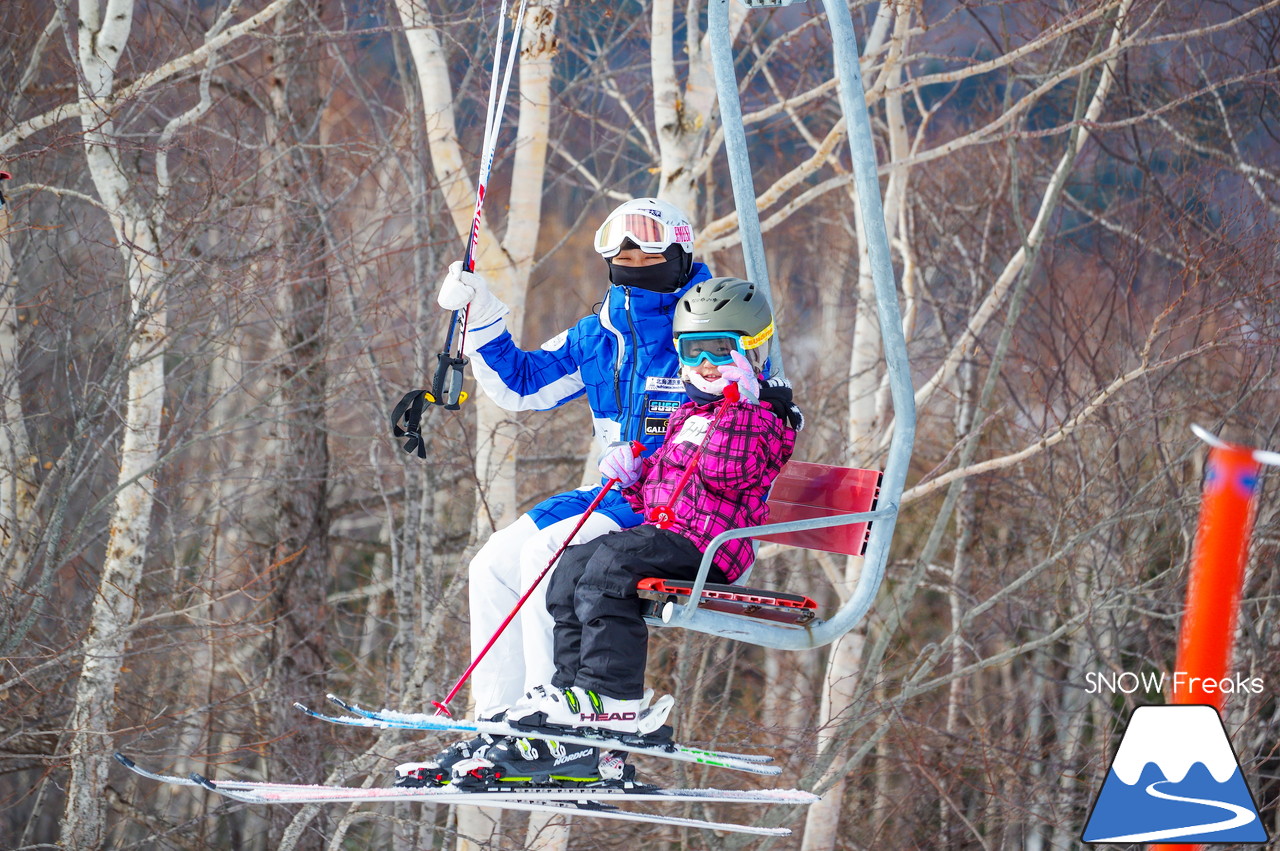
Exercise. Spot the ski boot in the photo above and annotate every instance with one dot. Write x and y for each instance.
(543, 763)
(438, 770)
(577, 707)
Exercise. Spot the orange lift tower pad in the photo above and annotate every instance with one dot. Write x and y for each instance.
(1218, 559)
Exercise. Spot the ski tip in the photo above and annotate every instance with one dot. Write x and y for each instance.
(1208, 437)
(301, 707)
(764, 769)
(125, 761)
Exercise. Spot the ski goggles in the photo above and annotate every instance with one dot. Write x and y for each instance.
(651, 235)
(717, 347)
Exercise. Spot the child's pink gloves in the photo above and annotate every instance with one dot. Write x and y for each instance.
(619, 462)
(741, 373)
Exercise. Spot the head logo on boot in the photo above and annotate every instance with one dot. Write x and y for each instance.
(607, 716)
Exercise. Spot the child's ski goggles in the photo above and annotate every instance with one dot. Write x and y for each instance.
(717, 346)
(651, 235)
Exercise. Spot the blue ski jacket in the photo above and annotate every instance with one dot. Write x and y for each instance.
(622, 359)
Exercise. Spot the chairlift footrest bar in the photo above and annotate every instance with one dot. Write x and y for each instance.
(777, 606)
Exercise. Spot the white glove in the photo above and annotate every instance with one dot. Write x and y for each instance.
(741, 373)
(461, 288)
(619, 462)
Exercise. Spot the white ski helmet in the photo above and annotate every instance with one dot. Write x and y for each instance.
(652, 224)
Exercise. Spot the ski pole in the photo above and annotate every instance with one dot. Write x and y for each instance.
(663, 516)
(442, 708)
(446, 385)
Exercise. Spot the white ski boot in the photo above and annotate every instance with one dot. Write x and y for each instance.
(548, 706)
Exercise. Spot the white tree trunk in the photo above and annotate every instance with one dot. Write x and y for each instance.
(505, 264)
(865, 418)
(102, 33)
(17, 479)
(683, 114)
(822, 821)
(436, 90)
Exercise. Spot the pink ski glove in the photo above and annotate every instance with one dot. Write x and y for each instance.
(620, 462)
(741, 373)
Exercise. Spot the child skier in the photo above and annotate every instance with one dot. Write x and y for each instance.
(722, 328)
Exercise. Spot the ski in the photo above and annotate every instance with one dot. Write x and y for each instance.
(599, 802)
(654, 745)
(398, 717)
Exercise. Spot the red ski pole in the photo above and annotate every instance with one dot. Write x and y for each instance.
(442, 708)
(664, 515)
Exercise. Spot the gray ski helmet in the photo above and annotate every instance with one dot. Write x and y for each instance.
(729, 305)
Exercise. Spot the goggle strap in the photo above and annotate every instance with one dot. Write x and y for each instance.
(758, 340)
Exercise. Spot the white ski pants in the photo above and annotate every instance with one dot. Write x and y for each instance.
(500, 573)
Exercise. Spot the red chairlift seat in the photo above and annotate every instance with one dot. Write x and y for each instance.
(802, 491)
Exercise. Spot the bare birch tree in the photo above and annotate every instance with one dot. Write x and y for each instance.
(506, 262)
(100, 37)
(1083, 208)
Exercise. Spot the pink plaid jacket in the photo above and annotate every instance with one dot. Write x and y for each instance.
(727, 490)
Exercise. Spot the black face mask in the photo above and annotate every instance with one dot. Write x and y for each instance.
(665, 277)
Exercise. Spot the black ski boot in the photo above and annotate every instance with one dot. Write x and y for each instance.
(438, 770)
(542, 762)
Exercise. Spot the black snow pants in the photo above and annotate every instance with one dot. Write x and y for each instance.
(601, 639)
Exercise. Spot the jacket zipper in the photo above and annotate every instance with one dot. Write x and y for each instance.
(635, 364)
(617, 369)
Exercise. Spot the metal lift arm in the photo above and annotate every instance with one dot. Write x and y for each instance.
(866, 179)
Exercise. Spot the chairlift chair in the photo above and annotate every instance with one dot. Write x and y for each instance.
(842, 508)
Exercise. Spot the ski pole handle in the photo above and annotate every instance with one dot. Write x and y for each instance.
(446, 386)
(442, 707)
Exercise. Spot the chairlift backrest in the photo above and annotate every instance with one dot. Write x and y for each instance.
(805, 490)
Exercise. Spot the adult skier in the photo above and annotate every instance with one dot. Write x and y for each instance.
(712, 473)
(623, 360)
